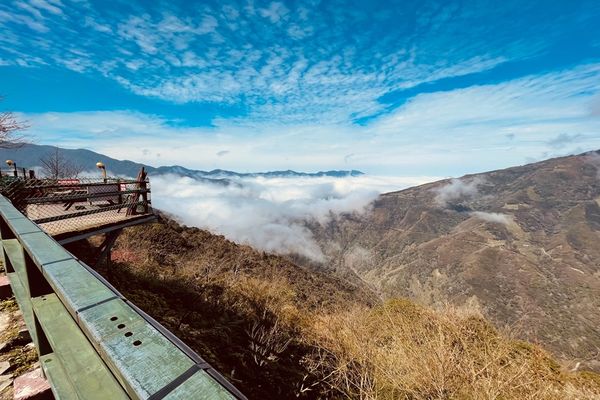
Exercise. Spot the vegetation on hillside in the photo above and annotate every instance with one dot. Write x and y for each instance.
(399, 350)
(278, 331)
(523, 241)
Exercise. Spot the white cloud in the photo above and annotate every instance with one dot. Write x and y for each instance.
(560, 98)
(32, 23)
(564, 139)
(457, 190)
(442, 133)
(275, 12)
(141, 31)
(91, 23)
(497, 218)
(270, 213)
(51, 6)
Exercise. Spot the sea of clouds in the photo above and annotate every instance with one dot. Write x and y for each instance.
(270, 213)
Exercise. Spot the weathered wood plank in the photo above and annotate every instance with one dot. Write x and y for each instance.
(86, 371)
(24, 301)
(204, 387)
(14, 252)
(61, 385)
(42, 249)
(21, 226)
(145, 359)
(75, 285)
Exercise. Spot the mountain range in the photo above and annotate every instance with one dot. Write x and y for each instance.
(29, 156)
(522, 243)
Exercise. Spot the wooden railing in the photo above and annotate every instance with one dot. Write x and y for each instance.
(92, 342)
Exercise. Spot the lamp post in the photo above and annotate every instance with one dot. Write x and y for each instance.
(101, 165)
(13, 164)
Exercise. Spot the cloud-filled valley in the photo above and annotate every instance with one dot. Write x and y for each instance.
(270, 213)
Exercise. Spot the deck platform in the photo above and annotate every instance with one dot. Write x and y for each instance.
(86, 225)
(74, 209)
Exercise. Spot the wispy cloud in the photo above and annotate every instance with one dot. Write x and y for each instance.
(457, 190)
(497, 218)
(275, 12)
(316, 63)
(442, 133)
(564, 139)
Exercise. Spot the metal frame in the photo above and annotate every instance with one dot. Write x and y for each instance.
(92, 342)
(64, 238)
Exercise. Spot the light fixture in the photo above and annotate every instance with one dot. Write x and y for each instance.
(13, 164)
(101, 165)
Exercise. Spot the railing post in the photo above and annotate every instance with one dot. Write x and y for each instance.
(120, 198)
(143, 186)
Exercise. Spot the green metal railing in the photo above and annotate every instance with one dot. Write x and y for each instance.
(92, 342)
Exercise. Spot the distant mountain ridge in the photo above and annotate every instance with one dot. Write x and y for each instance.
(29, 156)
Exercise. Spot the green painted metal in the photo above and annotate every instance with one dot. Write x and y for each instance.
(83, 367)
(40, 248)
(94, 337)
(8, 211)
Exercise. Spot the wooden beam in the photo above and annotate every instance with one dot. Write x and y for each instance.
(86, 372)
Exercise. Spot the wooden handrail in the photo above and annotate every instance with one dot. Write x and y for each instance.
(84, 329)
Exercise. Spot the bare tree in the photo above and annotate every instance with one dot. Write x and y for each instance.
(9, 130)
(55, 165)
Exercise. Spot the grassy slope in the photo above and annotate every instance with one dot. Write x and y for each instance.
(277, 330)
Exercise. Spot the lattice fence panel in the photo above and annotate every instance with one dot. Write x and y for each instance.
(65, 205)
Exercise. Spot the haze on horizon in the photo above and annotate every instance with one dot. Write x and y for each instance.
(388, 88)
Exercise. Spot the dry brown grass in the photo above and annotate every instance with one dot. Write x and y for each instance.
(279, 331)
(403, 351)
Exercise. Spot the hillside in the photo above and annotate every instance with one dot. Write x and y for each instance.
(240, 309)
(281, 331)
(30, 154)
(522, 243)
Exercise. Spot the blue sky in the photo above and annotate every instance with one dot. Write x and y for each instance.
(407, 88)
